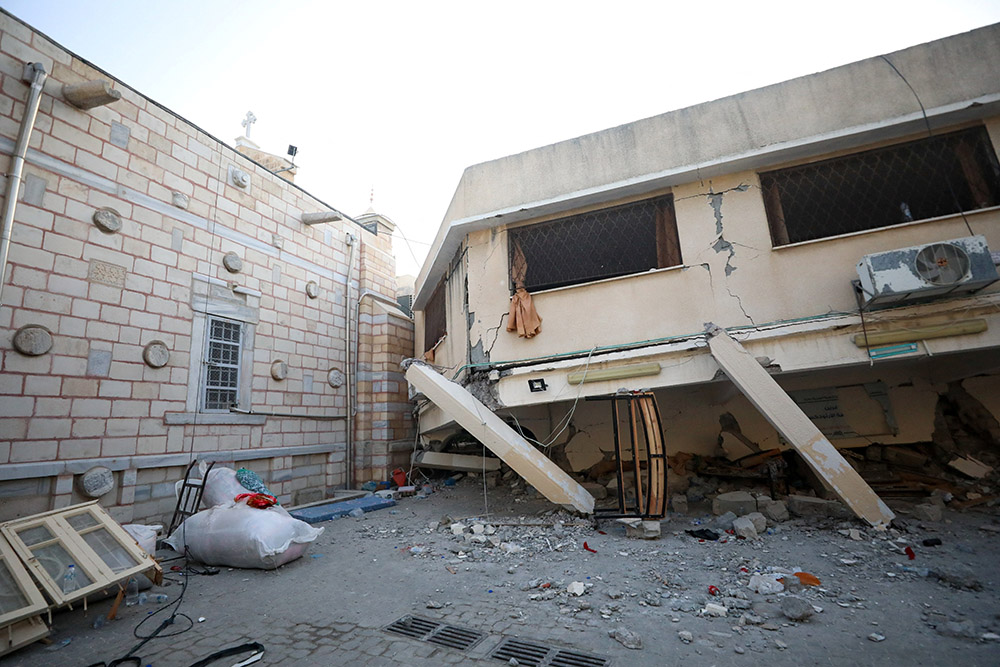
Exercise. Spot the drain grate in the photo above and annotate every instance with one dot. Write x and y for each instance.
(535, 654)
(426, 630)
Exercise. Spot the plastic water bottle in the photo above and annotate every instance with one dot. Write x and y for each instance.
(131, 592)
(160, 598)
(69, 582)
(142, 599)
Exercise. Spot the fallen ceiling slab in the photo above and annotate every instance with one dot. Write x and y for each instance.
(528, 462)
(793, 424)
(460, 462)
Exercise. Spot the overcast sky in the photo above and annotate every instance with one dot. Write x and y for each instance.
(402, 96)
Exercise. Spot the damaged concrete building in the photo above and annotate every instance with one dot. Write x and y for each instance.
(169, 298)
(839, 226)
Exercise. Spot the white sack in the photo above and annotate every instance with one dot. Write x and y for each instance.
(145, 536)
(236, 535)
(221, 487)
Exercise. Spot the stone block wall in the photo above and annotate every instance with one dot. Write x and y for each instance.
(184, 201)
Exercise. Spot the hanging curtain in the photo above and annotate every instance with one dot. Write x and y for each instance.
(523, 317)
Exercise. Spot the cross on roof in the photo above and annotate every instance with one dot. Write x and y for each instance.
(248, 121)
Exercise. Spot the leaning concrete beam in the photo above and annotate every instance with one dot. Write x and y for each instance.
(502, 440)
(779, 409)
(460, 462)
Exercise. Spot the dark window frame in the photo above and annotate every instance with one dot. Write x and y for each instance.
(921, 179)
(621, 240)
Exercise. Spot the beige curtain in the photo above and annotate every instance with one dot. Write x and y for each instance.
(523, 317)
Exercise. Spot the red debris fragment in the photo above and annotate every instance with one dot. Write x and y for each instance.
(909, 553)
(712, 590)
(587, 548)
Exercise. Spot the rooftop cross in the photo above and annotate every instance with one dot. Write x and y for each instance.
(248, 121)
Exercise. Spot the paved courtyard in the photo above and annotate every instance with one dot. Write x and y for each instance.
(331, 606)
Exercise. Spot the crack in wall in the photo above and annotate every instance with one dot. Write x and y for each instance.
(721, 245)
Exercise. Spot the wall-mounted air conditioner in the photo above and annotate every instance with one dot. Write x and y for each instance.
(926, 271)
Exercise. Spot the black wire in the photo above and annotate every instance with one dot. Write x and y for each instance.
(930, 133)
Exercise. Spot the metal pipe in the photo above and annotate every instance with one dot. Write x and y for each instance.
(349, 446)
(37, 76)
(328, 418)
(357, 337)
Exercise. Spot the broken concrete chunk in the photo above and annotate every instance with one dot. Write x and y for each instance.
(759, 522)
(712, 609)
(776, 511)
(744, 528)
(796, 609)
(970, 467)
(737, 502)
(457, 528)
(644, 530)
(685, 636)
(626, 638)
(724, 522)
(927, 512)
(576, 588)
(599, 491)
(810, 506)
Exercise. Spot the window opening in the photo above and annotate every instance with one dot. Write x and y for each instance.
(435, 320)
(607, 243)
(927, 178)
(222, 361)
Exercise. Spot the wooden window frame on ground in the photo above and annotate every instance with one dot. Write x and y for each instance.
(85, 559)
(36, 603)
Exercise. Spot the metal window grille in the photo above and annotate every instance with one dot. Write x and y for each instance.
(222, 364)
(927, 178)
(435, 321)
(607, 243)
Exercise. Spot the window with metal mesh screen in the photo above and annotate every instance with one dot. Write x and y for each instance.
(222, 364)
(435, 320)
(607, 243)
(927, 178)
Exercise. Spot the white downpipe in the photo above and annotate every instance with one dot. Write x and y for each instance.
(352, 241)
(38, 76)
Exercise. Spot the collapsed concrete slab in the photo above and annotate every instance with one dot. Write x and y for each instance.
(531, 464)
(782, 412)
(459, 462)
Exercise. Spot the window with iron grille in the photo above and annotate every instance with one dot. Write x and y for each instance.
(435, 320)
(927, 178)
(607, 243)
(223, 347)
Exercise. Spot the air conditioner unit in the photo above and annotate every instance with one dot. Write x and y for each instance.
(926, 271)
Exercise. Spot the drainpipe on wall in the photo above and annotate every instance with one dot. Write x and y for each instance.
(349, 448)
(35, 73)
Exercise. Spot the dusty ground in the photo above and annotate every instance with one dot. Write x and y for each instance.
(329, 607)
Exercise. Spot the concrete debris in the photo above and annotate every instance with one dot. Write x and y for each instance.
(685, 636)
(775, 511)
(876, 637)
(927, 512)
(626, 638)
(737, 502)
(958, 629)
(433, 604)
(970, 467)
(744, 527)
(712, 609)
(576, 588)
(637, 528)
(724, 521)
(808, 506)
(765, 584)
(759, 522)
(795, 608)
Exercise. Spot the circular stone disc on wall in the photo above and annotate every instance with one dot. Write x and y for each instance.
(232, 262)
(312, 289)
(96, 482)
(32, 340)
(279, 369)
(107, 220)
(156, 354)
(335, 377)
